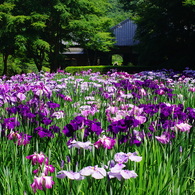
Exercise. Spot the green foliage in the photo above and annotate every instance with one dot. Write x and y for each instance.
(17, 66)
(117, 12)
(117, 59)
(45, 69)
(165, 30)
(37, 29)
(189, 2)
(104, 69)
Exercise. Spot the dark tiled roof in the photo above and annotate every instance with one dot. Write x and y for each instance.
(124, 33)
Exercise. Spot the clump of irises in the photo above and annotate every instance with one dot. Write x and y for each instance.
(41, 179)
(114, 169)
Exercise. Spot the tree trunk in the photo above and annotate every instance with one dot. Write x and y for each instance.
(54, 59)
(38, 59)
(5, 59)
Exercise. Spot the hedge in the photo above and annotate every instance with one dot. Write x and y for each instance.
(104, 69)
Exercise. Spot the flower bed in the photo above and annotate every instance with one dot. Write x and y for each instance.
(116, 133)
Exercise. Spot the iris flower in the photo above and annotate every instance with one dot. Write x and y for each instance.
(121, 157)
(183, 127)
(118, 172)
(70, 174)
(94, 171)
(38, 158)
(106, 142)
(77, 144)
(42, 182)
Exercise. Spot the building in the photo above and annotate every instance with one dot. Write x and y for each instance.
(125, 42)
(124, 33)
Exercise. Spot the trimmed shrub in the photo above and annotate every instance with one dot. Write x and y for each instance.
(105, 68)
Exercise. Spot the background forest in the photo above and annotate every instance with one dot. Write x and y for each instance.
(33, 33)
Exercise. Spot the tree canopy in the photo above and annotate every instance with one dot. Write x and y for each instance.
(40, 27)
(166, 31)
(118, 12)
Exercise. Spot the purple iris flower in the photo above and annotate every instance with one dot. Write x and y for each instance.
(124, 139)
(60, 95)
(42, 132)
(149, 109)
(42, 114)
(137, 137)
(168, 124)
(11, 123)
(69, 129)
(30, 115)
(12, 110)
(94, 127)
(190, 114)
(23, 139)
(122, 125)
(53, 105)
(54, 128)
(79, 123)
(46, 121)
(153, 126)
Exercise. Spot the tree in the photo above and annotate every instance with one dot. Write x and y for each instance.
(82, 21)
(42, 27)
(18, 31)
(7, 42)
(118, 12)
(165, 30)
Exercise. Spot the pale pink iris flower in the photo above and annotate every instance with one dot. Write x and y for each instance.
(164, 139)
(58, 115)
(77, 144)
(182, 127)
(122, 157)
(134, 157)
(118, 172)
(94, 171)
(70, 174)
(21, 96)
